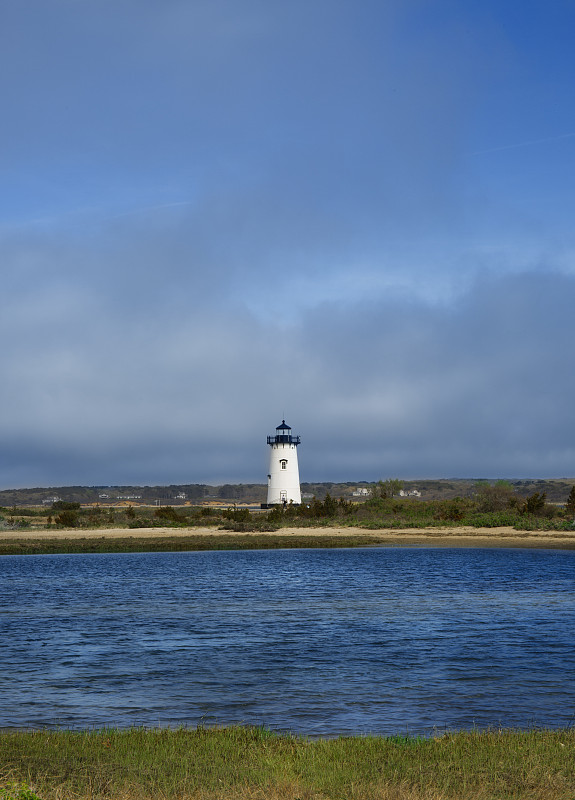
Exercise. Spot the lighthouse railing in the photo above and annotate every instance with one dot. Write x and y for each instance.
(283, 439)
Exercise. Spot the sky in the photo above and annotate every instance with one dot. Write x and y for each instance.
(356, 215)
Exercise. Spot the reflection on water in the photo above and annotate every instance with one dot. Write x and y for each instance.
(320, 642)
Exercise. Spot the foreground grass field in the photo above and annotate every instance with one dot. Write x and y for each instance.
(240, 763)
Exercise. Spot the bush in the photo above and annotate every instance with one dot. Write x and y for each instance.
(138, 523)
(17, 791)
(387, 489)
(276, 515)
(500, 519)
(167, 514)
(499, 497)
(94, 516)
(454, 510)
(533, 523)
(67, 519)
(241, 515)
(535, 503)
(63, 505)
(316, 509)
(13, 524)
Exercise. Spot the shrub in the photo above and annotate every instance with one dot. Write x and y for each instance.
(500, 519)
(63, 505)
(537, 506)
(316, 509)
(240, 515)
(167, 514)
(454, 510)
(329, 506)
(17, 791)
(138, 523)
(67, 519)
(276, 515)
(533, 523)
(498, 497)
(93, 517)
(387, 489)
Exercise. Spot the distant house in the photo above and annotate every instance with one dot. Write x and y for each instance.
(412, 493)
(49, 500)
(363, 492)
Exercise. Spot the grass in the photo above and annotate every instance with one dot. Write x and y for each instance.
(234, 541)
(177, 543)
(245, 763)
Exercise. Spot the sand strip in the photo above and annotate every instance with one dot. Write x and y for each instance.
(438, 537)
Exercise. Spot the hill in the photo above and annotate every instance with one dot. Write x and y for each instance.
(557, 491)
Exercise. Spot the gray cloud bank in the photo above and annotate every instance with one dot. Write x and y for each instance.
(106, 384)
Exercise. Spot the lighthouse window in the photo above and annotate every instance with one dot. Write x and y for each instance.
(283, 462)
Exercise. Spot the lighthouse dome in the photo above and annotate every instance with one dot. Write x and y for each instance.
(283, 435)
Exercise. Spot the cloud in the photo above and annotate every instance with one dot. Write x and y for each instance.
(133, 393)
(479, 387)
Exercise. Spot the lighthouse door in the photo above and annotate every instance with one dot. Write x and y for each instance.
(283, 497)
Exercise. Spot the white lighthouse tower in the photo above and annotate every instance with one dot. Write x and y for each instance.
(283, 477)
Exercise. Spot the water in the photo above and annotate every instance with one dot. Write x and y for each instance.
(320, 642)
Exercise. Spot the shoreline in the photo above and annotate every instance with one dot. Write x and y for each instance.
(464, 537)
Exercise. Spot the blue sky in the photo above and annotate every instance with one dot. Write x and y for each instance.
(357, 215)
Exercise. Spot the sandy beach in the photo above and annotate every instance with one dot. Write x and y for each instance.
(436, 537)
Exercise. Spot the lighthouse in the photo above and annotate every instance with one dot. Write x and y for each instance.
(283, 476)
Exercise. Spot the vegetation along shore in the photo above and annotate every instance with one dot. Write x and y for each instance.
(241, 763)
(494, 515)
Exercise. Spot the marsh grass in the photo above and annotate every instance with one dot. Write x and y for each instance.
(186, 542)
(246, 763)
(177, 543)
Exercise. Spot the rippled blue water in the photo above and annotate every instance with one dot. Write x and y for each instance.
(320, 642)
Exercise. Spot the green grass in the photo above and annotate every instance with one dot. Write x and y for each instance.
(240, 763)
(254, 541)
(177, 543)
